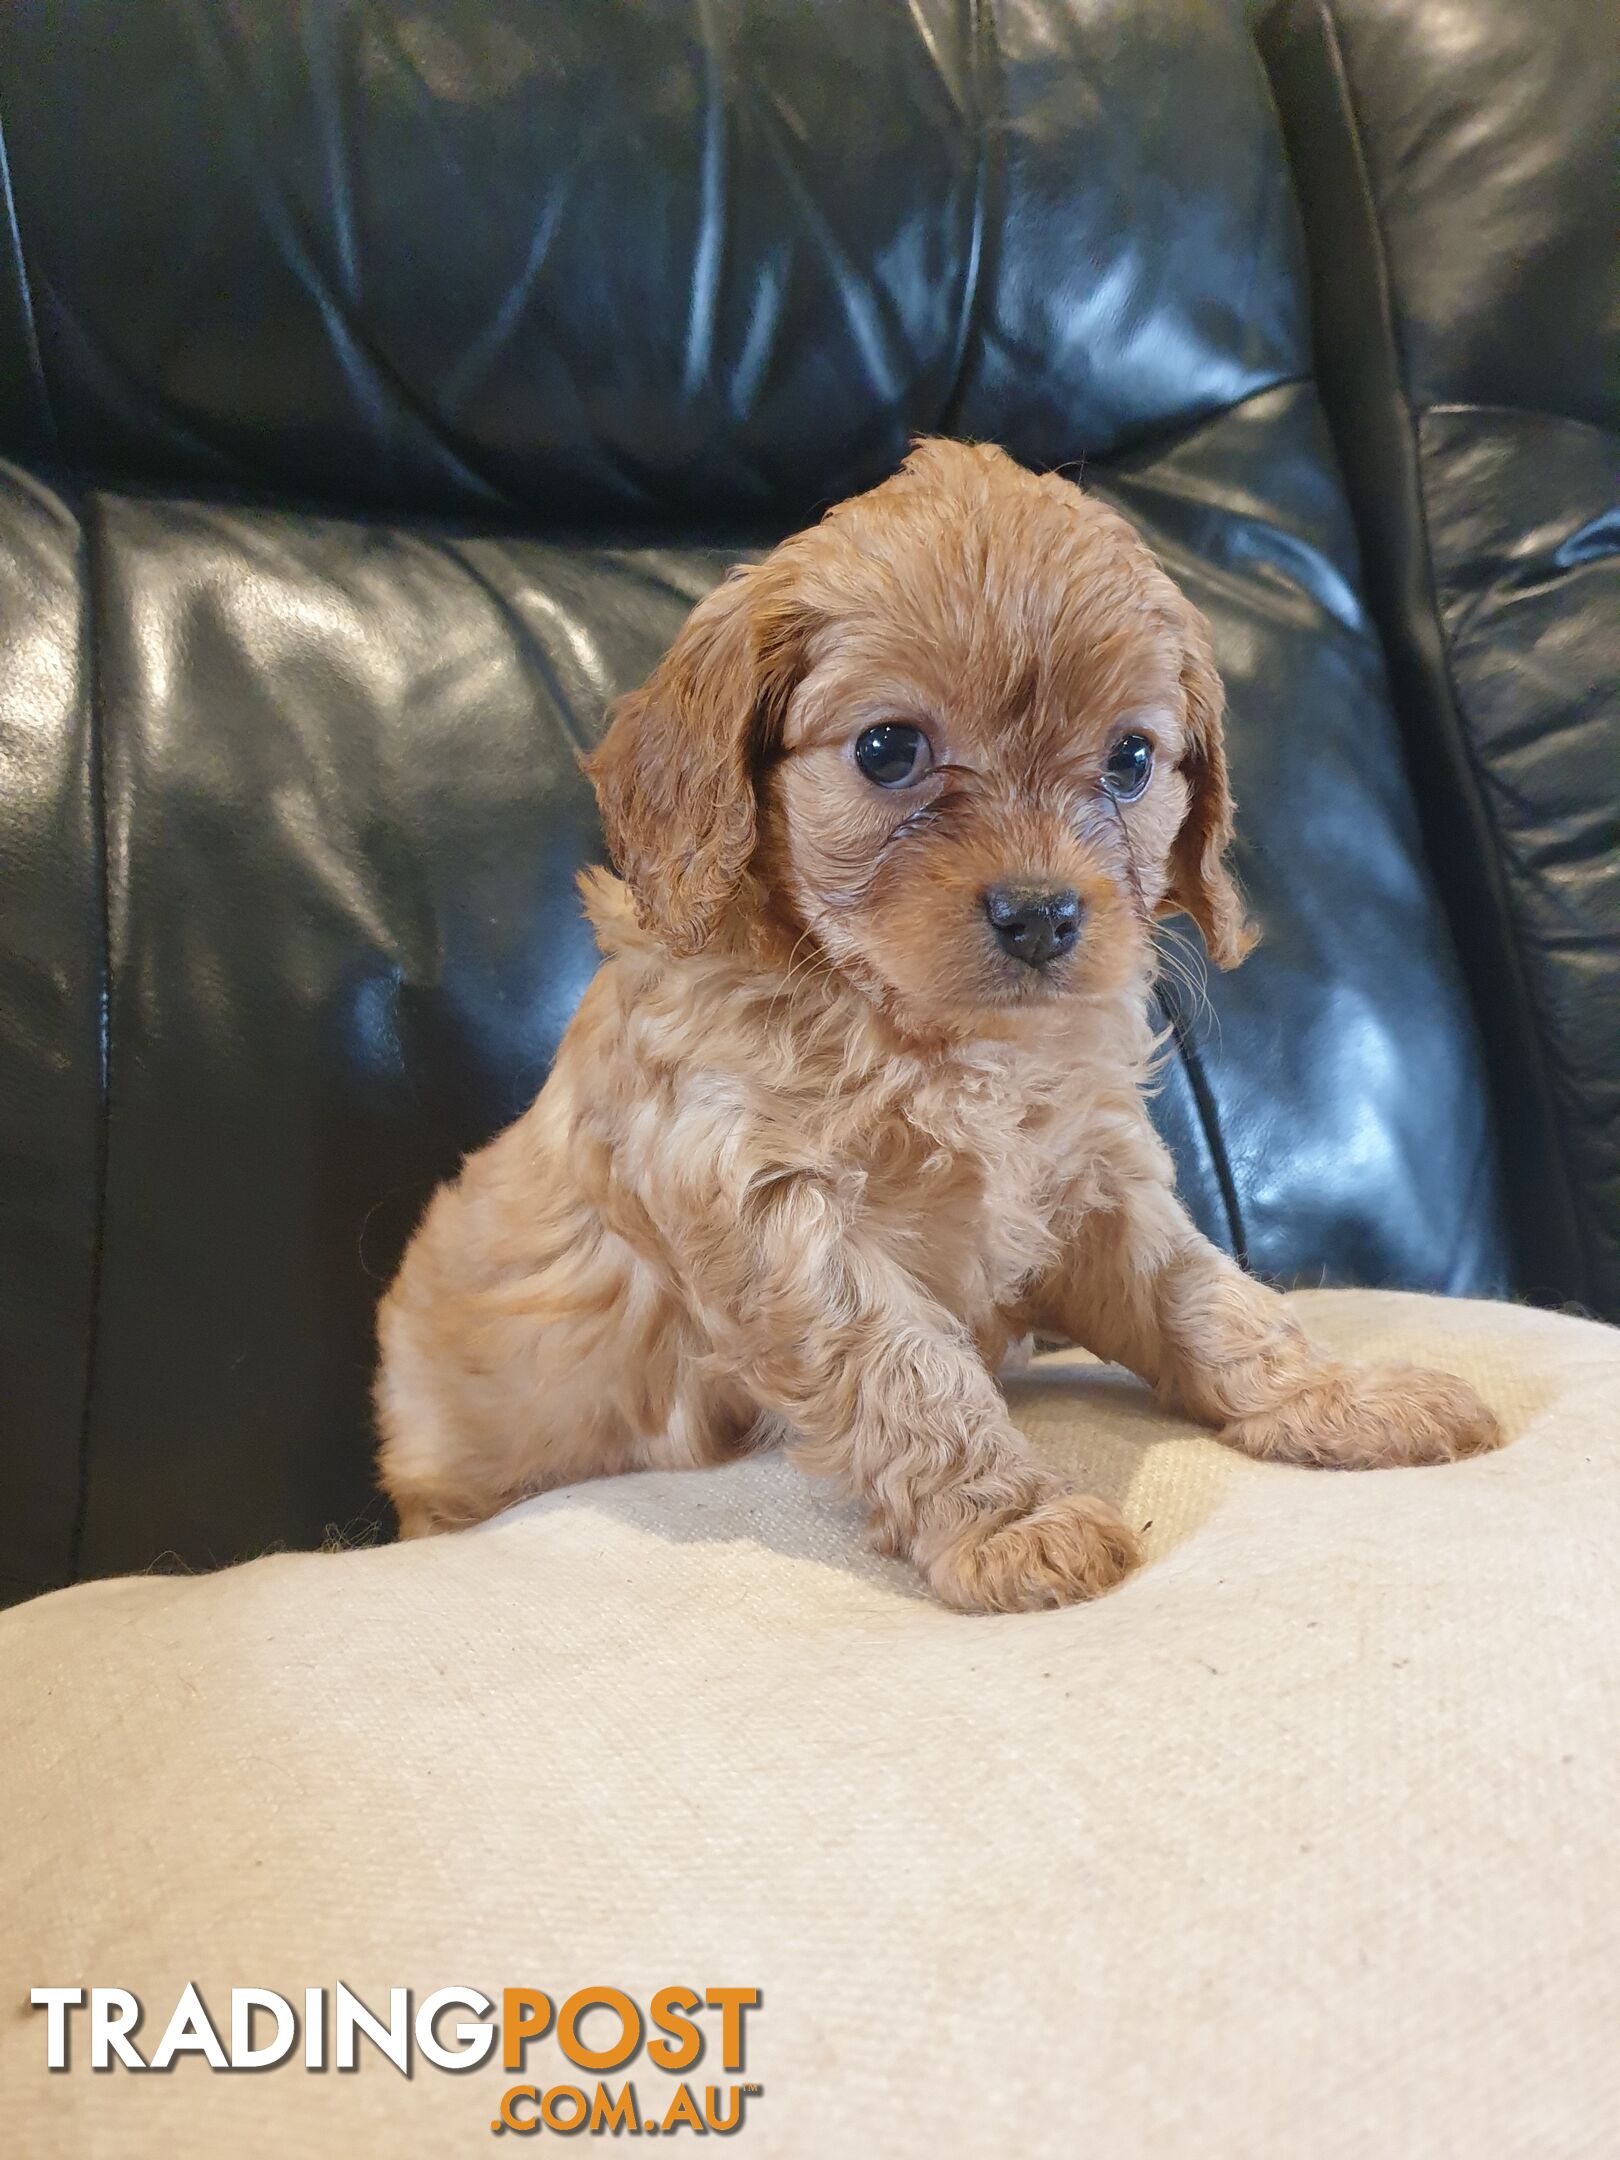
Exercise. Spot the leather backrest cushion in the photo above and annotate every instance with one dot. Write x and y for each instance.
(1488, 135)
(343, 816)
(594, 258)
(1459, 169)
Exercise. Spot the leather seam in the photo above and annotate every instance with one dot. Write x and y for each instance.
(1147, 449)
(91, 648)
(987, 80)
(1464, 761)
(36, 350)
(1493, 408)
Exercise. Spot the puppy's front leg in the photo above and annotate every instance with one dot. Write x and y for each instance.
(884, 1391)
(1142, 1288)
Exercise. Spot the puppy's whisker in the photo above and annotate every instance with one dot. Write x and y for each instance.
(785, 982)
(1176, 962)
(1188, 970)
(1132, 871)
(797, 971)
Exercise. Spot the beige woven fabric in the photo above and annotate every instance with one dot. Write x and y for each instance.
(1306, 1843)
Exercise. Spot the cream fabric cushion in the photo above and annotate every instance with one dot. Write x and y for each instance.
(1306, 1843)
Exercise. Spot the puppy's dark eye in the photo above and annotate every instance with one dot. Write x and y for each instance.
(893, 754)
(1129, 767)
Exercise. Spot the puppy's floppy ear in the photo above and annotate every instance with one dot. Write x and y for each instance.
(674, 775)
(1200, 883)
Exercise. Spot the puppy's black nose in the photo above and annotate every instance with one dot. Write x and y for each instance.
(1035, 923)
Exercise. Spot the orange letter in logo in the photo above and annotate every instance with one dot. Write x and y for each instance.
(508, 2119)
(608, 2058)
(525, 2015)
(685, 2043)
(731, 2003)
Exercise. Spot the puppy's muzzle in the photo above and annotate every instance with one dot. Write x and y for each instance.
(1034, 923)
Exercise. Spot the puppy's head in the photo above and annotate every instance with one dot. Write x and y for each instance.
(964, 736)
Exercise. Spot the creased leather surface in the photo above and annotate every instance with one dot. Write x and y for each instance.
(1524, 520)
(615, 258)
(1459, 171)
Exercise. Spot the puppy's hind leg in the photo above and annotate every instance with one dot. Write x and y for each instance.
(489, 1398)
(426, 1463)
(474, 1407)
(422, 1514)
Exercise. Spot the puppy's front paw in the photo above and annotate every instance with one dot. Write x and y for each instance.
(1066, 1547)
(1368, 1417)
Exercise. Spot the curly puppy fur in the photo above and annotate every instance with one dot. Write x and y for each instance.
(817, 1148)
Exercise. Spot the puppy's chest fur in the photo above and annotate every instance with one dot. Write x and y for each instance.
(967, 1200)
(973, 1175)
(969, 1165)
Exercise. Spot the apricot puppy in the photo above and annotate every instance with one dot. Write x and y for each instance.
(855, 1099)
